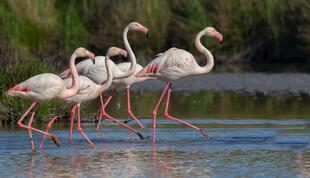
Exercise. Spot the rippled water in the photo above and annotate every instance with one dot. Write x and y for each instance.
(253, 136)
(239, 148)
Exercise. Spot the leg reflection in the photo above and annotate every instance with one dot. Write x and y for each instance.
(160, 168)
(154, 159)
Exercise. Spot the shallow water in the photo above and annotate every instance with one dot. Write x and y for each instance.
(253, 136)
(242, 148)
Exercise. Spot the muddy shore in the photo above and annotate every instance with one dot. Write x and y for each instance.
(293, 83)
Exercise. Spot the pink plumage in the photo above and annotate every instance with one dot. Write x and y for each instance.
(88, 90)
(175, 64)
(123, 74)
(44, 87)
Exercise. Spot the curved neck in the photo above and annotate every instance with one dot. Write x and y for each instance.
(108, 82)
(74, 74)
(131, 55)
(209, 57)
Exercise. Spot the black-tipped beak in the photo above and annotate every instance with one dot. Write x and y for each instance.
(147, 35)
(94, 61)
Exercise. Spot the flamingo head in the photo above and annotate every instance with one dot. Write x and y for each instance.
(82, 52)
(210, 31)
(114, 51)
(135, 26)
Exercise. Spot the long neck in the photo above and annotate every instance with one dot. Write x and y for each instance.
(132, 57)
(74, 74)
(108, 82)
(210, 60)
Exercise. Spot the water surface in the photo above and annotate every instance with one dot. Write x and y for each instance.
(253, 136)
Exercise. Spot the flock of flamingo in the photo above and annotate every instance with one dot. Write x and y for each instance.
(88, 79)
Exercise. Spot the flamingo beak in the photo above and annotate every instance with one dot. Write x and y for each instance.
(145, 31)
(92, 56)
(124, 53)
(147, 35)
(219, 37)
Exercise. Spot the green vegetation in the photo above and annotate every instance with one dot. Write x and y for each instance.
(265, 30)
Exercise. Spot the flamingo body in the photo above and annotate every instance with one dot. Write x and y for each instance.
(87, 91)
(39, 88)
(171, 65)
(97, 72)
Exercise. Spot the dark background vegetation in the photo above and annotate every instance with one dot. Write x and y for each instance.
(39, 35)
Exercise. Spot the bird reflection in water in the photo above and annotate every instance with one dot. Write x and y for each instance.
(159, 168)
(303, 162)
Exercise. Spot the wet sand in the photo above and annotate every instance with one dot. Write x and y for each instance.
(237, 82)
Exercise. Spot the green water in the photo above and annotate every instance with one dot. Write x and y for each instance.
(226, 105)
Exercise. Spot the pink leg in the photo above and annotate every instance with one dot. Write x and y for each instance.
(72, 122)
(123, 124)
(154, 113)
(166, 115)
(49, 125)
(29, 130)
(80, 128)
(20, 124)
(105, 114)
(129, 108)
(102, 110)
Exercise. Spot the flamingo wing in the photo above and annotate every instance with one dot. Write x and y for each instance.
(96, 72)
(173, 60)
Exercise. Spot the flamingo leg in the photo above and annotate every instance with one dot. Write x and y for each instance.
(72, 122)
(20, 124)
(129, 108)
(123, 124)
(166, 115)
(107, 116)
(102, 110)
(30, 131)
(80, 128)
(154, 113)
(49, 125)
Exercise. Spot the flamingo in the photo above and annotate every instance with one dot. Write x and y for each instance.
(44, 87)
(175, 64)
(97, 72)
(87, 91)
